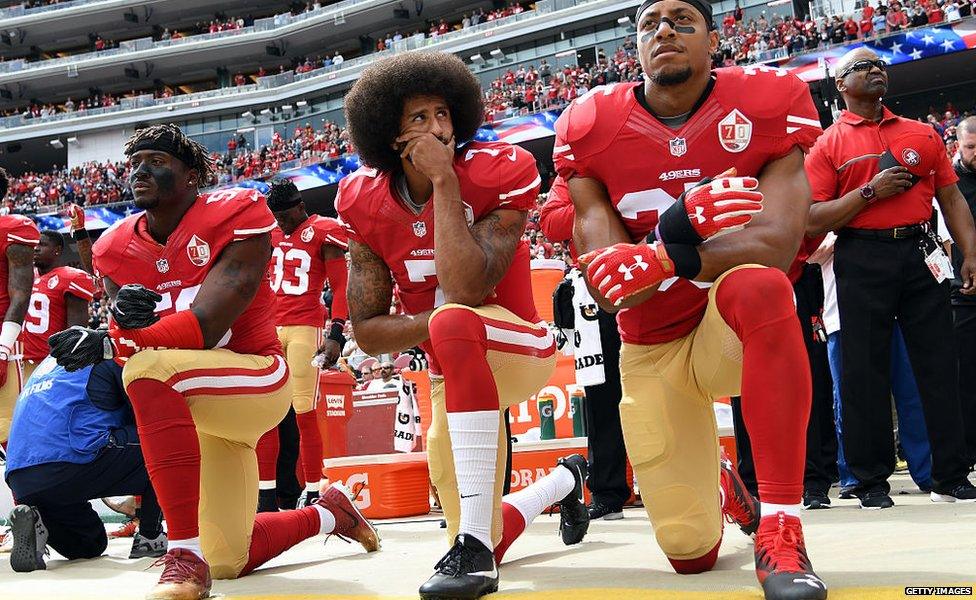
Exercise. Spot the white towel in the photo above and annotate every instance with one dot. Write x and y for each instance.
(588, 348)
(406, 426)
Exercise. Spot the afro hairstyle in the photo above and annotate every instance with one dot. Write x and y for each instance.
(4, 183)
(374, 105)
(281, 193)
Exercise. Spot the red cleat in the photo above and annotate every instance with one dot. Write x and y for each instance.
(350, 523)
(127, 530)
(185, 576)
(738, 505)
(782, 565)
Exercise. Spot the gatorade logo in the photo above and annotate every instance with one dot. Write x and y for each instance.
(545, 410)
(522, 478)
(355, 481)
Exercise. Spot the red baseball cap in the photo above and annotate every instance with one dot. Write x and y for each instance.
(919, 152)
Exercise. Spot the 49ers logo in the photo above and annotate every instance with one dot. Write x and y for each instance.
(198, 251)
(307, 234)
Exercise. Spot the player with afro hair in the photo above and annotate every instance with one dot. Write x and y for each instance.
(375, 104)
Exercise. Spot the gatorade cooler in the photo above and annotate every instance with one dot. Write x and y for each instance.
(390, 485)
(334, 410)
(546, 275)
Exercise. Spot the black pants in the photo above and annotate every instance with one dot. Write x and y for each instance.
(964, 319)
(287, 485)
(877, 282)
(74, 528)
(821, 451)
(607, 479)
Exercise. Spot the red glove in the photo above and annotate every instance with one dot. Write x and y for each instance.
(77, 216)
(4, 358)
(714, 207)
(623, 270)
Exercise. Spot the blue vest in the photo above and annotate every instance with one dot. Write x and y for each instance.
(55, 420)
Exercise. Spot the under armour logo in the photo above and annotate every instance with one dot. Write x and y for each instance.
(811, 580)
(699, 215)
(628, 271)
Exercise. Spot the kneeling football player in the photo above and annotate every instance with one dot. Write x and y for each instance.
(441, 217)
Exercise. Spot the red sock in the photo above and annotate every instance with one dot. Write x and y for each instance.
(267, 450)
(513, 524)
(311, 446)
(458, 337)
(275, 532)
(172, 453)
(692, 566)
(776, 389)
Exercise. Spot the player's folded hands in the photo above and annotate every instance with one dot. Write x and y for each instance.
(713, 207)
(78, 347)
(623, 270)
(135, 307)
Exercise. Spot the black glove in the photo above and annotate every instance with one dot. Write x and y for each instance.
(135, 307)
(77, 347)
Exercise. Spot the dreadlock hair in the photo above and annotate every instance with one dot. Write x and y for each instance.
(4, 183)
(374, 105)
(54, 237)
(192, 150)
(282, 194)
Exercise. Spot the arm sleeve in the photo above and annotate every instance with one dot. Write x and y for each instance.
(337, 273)
(518, 184)
(821, 174)
(557, 214)
(801, 121)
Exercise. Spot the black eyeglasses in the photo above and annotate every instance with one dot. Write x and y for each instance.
(864, 65)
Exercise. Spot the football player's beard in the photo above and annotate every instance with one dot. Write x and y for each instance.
(667, 77)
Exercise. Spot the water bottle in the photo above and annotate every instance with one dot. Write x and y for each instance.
(576, 400)
(547, 422)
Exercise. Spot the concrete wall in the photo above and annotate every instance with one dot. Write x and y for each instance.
(99, 146)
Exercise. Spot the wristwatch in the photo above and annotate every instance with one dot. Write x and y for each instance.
(867, 192)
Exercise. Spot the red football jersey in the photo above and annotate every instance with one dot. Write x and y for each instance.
(298, 271)
(14, 229)
(126, 253)
(492, 175)
(47, 313)
(752, 116)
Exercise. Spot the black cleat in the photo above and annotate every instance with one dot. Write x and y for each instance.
(307, 499)
(30, 540)
(143, 547)
(782, 565)
(466, 572)
(963, 492)
(875, 501)
(815, 500)
(574, 518)
(599, 510)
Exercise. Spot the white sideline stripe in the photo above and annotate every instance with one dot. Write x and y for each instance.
(253, 231)
(11, 236)
(518, 338)
(802, 121)
(534, 183)
(235, 381)
(77, 287)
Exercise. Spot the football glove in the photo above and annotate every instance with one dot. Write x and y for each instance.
(76, 214)
(715, 206)
(623, 270)
(78, 347)
(135, 307)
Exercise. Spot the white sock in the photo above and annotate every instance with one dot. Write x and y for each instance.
(267, 485)
(326, 519)
(312, 486)
(474, 443)
(192, 544)
(534, 499)
(767, 510)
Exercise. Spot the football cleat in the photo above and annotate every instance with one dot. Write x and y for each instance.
(466, 572)
(307, 499)
(30, 540)
(599, 510)
(267, 501)
(185, 576)
(143, 547)
(127, 530)
(350, 523)
(782, 565)
(964, 492)
(574, 519)
(739, 506)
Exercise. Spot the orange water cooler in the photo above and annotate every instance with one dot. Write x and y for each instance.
(387, 485)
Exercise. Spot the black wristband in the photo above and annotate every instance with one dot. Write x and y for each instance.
(674, 227)
(81, 234)
(686, 259)
(335, 333)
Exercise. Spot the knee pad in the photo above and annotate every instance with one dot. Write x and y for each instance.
(147, 364)
(752, 297)
(682, 526)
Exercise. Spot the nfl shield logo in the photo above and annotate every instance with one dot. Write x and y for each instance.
(198, 251)
(162, 265)
(678, 146)
(420, 229)
(735, 131)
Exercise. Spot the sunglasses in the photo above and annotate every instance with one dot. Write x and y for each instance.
(864, 65)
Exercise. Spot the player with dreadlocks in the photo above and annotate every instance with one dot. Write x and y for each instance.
(203, 365)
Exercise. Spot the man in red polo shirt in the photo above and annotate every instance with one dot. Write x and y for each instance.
(873, 176)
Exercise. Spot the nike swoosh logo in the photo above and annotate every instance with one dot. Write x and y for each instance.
(470, 495)
(492, 573)
(511, 157)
